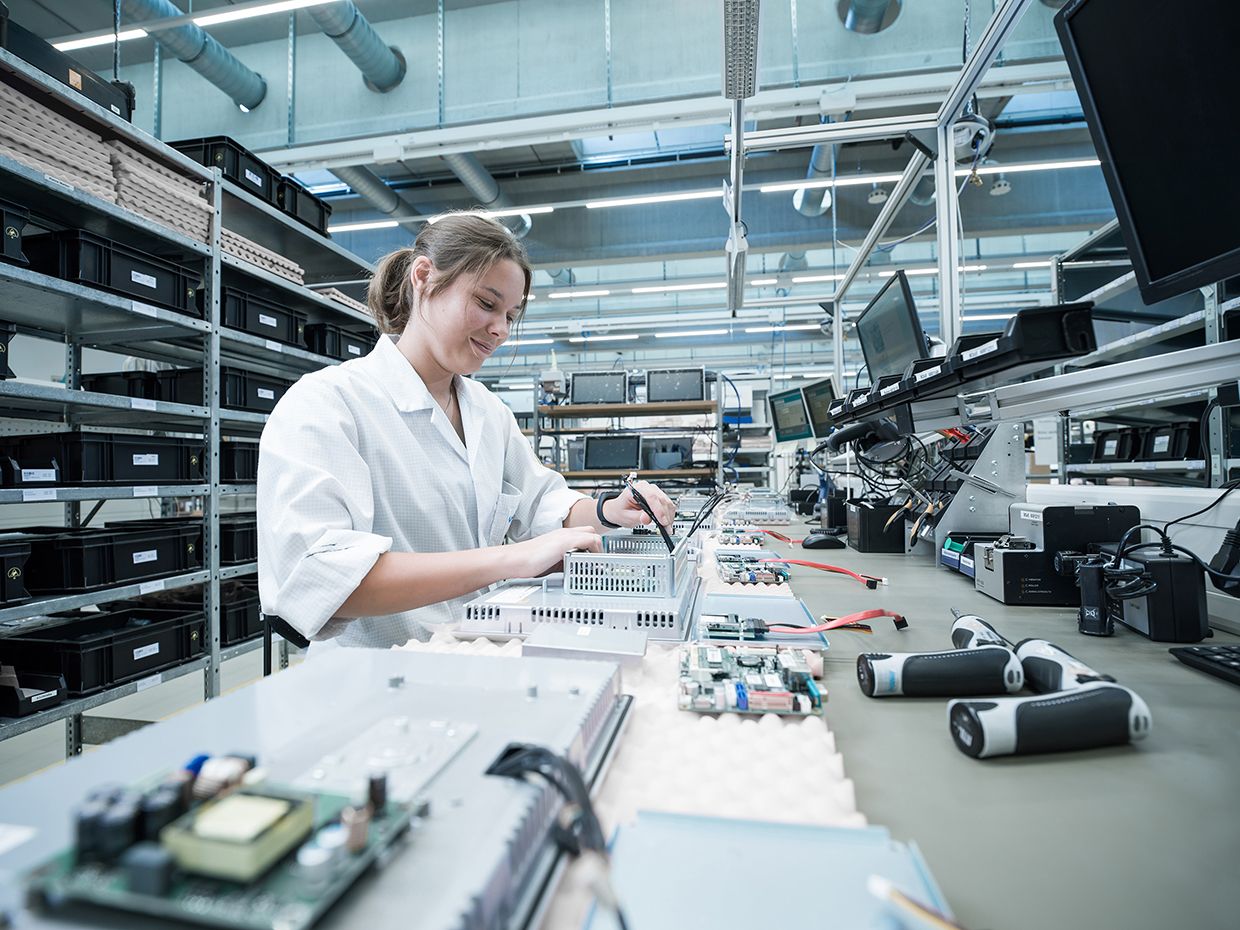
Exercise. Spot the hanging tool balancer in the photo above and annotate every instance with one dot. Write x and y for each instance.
(1075, 707)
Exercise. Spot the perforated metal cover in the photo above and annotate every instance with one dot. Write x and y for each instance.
(642, 574)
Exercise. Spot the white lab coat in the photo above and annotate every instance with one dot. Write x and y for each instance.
(359, 459)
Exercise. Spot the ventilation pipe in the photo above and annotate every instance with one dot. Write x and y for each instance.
(382, 66)
(815, 201)
(790, 263)
(868, 16)
(562, 277)
(370, 187)
(485, 189)
(201, 52)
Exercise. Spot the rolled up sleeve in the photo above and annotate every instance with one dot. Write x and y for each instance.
(546, 498)
(315, 510)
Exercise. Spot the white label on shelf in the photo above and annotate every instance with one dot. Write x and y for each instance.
(1110, 447)
(354, 350)
(143, 652)
(114, 108)
(150, 458)
(44, 695)
(141, 403)
(266, 393)
(38, 474)
(150, 587)
(1161, 443)
(928, 373)
(254, 178)
(889, 389)
(146, 491)
(966, 561)
(1150, 466)
(1033, 516)
(274, 346)
(56, 182)
(984, 349)
(144, 309)
(146, 555)
(268, 320)
(149, 682)
(38, 494)
(146, 280)
(14, 835)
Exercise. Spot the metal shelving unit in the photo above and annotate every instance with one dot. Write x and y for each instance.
(82, 316)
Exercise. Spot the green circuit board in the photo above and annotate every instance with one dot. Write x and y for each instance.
(745, 679)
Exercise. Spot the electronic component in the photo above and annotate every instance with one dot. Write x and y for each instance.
(746, 568)
(240, 836)
(954, 673)
(889, 330)
(599, 387)
(613, 451)
(741, 537)
(1170, 607)
(716, 678)
(675, 384)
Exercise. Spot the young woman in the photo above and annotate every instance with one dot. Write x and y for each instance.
(387, 486)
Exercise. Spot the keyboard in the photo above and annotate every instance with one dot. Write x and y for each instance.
(1219, 661)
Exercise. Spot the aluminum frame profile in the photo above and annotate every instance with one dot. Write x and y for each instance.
(1118, 384)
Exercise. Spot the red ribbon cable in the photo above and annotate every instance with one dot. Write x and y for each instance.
(838, 622)
(823, 566)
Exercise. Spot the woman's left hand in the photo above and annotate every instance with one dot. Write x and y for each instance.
(625, 511)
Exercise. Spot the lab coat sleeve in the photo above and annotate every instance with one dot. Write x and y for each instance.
(544, 498)
(315, 510)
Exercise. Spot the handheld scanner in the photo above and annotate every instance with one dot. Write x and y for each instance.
(1049, 668)
(952, 673)
(1094, 715)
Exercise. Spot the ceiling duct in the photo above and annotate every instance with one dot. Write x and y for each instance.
(562, 277)
(201, 52)
(789, 264)
(371, 188)
(485, 189)
(867, 16)
(815, 201)
(382, 65)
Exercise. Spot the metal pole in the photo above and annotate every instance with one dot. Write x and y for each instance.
(947, 213)
(211, 387)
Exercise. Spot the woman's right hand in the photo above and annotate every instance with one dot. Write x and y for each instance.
(544, 554)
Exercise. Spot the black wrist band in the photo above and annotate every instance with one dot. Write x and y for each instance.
(598, 509)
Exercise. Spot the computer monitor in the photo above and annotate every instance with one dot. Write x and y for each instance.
(819, 397)
(1166, 133)
(661, 451)
(599, 387)
(675, 384)
(620, 451)
(889, 330)
(789, 416)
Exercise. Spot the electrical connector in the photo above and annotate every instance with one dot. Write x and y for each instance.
(1226, 561)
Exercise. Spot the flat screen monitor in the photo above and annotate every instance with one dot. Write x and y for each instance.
(599, 387)
(676, 384)
(889, 331)
(819, 397)
(623, 451)
(1159, 87)
(789, 416)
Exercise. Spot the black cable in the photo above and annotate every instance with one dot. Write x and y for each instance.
(1192, 555)
(641, 502)
(1229, 487)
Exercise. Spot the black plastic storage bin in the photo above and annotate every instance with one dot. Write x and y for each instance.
(99, 458)
(13, 218)
(302, 205)
(238, 533)
(7, 332)
(240, 613)
(125, 383)
(1173, 442)
(336, 342)
(1116, 445)
(238, 461)
(64, 560)
(14, 554)
(97, 651)
(117, 96)
(24, 693)
(235, 161)
(262, 317)
(868, 530)
(80, 256)
(239, 390)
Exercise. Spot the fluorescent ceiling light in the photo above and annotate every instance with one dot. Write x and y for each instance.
(804, 374)
(908, 272)
(810, 279)
(605, 338)
(1031, 264)
(518, 343)
(989, 316)
(652, 198)
(668, 288)
(780, 329)
(337, 187)
(560, 295)
(762, 282)
(852, 180)
(967, 268)
(356, 227)
(494, 214)
(1032, 166)
(106, 39)
(691, 332)
(228, 16)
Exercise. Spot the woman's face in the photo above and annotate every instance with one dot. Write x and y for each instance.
(467, 322)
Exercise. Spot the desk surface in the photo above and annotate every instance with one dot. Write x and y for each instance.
(1144, 836)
